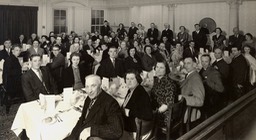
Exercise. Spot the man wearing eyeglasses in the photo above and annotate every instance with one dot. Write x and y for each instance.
(57, 66)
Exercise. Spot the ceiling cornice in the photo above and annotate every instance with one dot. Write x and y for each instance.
(131, 3)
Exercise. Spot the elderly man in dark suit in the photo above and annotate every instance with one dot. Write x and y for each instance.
(57, 67)
(152, 33)
(236, 39)
(37, 80)
(111, 67)
(199, 37)
(192, 88)
(132, 30)
(167, 32)
(213, 86)
(101, 116)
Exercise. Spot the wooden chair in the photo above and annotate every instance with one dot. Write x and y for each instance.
(176, 117)
(189, 124)
(144, 127)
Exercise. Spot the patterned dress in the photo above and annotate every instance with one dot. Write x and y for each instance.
(164, 91)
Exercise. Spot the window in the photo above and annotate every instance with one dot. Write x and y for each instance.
(60, 21)
(97, 20)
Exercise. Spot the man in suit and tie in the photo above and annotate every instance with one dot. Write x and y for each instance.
(239, 71)
(57, 66)
(167, 32)
(192, 89)
(101, 116)
(213, 87)
(105, 29)
(35, 49)
(7, 49)
(152, 33)
(199, 37)
(37, 80)
(111, 67)
(221, 65)
(236, 39)
(190, 51)
(132, 30)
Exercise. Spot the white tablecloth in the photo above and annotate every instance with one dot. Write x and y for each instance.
(30, 116)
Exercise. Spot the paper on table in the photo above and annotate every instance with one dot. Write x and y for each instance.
(50, 104)
(67, 93)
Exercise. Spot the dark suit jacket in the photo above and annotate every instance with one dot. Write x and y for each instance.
(31, 51)
(239, 70)
(223, 68)
(212, 80)
(188, 53)
(105, 30)
(168, 33)
(132, 31)
(130, 64)
(148, 62)
(56, 68)
(68, 77)
(235, 41)
(104, 118)
(200, 39)
(153, 34)
(139, 106)
(3, 54)
(32, 86)
(107, 69)
(12, 75)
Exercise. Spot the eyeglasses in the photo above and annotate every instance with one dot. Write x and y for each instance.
(55, 50)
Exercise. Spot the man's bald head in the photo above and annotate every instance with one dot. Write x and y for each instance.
(93, 85)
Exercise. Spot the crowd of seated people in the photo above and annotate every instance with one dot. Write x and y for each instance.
(158, 69)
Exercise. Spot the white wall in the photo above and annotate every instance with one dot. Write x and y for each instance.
(247, 17)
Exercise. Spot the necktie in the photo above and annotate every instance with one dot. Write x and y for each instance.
(40, 75)
(90, 106)
(114, 63)
(127, 98)
(186, 75)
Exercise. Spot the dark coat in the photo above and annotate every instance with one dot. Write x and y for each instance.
(152, 34)
(104, 118)
(239, 71)
(3, 54)
(32, 86)
(56, 68)
(68, 76)
(168, 33)
(139, 106)
(105, 30)
(12, 75)
(107, 69)
(188, 53)
(235, 41)
(132, 31)
(130, 64)
(200, 39)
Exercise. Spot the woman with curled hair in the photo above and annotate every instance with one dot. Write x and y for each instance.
(148, 60)
(137, 103)
(75, 73)
(249, 41)
(164, 91)
(219, 40)
(133, 61)
(183, 36)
